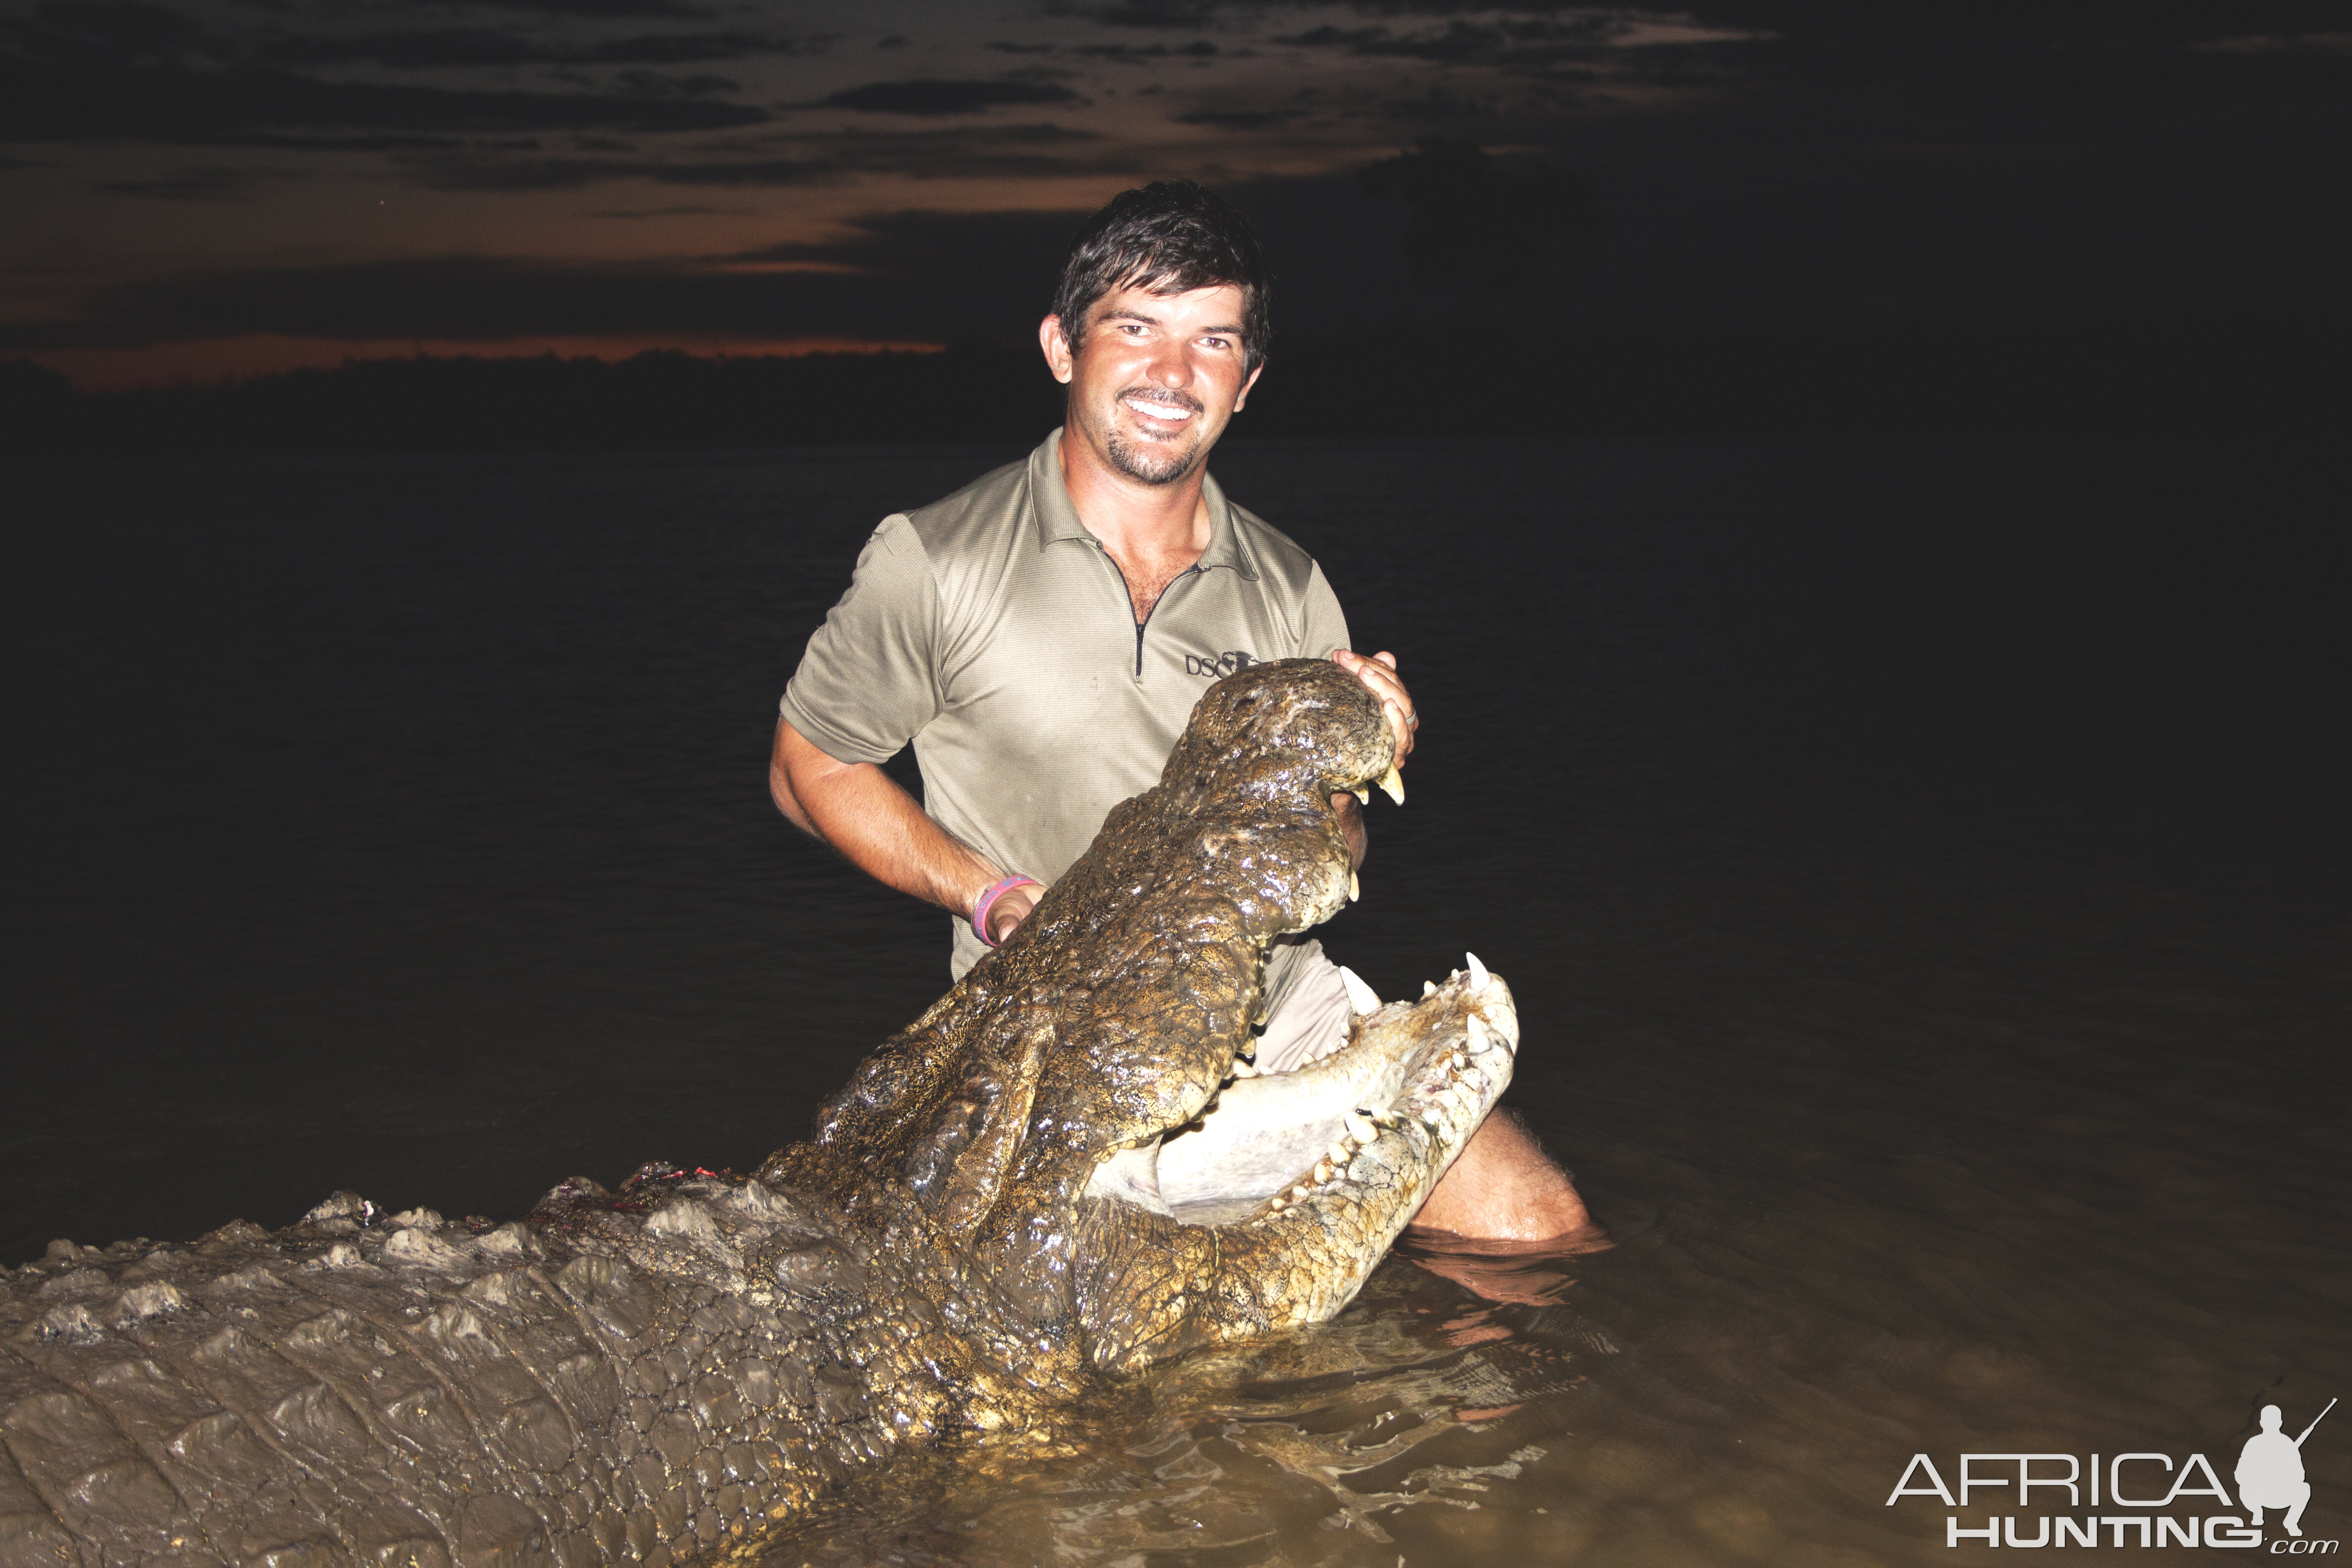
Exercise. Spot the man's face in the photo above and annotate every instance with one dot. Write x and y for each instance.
(1155, 378)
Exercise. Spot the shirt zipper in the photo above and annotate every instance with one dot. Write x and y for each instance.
(1128, 594)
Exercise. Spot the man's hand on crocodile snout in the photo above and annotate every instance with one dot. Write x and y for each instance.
(1012, 907)
(1379, 672)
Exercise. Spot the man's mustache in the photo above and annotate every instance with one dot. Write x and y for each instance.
(1185, 401)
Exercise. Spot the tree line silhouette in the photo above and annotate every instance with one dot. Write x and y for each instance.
(1452, 383)
(1475, 222)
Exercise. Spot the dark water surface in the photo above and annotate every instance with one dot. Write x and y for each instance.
(1921, 865)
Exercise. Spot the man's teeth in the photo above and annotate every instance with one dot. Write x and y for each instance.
(1158, 410)
(1361, 997)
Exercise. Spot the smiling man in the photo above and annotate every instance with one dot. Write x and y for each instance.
(1041, 636)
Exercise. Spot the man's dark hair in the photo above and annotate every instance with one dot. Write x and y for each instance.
(1169, 238)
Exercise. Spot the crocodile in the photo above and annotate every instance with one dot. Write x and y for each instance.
(1066, 1171)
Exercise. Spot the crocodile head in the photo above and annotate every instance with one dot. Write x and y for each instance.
(1080, 1119)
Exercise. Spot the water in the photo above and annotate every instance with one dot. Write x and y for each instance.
(1920, 864)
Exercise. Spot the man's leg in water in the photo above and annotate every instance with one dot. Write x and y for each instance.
(1503, 1186)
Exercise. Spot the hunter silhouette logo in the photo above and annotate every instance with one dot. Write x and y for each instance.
(2270, 1477)
(2270, 1471)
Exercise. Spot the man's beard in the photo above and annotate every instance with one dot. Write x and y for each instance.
(1155, 464)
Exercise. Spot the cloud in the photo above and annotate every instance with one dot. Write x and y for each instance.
(206, 183)
(127, 70)
(43, 101)
(928, 98)
(1960, 23)
(687, 211)
(1165, 14)
(606, 7)
(468, 46)
(980, 152)
(111, 31)
(1241, 119)
(1146, 54)
(1883, 67)
(897, 276)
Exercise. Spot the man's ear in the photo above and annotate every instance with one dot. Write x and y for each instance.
(1242, 396)
(1057, 344)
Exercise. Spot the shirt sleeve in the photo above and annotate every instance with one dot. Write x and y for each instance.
(868, 680)
(1323, 627)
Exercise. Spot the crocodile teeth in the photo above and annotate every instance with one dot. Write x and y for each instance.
(1478, 976)
(1480, 1041)
(1245, 1067)
(1302, 1190)
(1361, 997)
(1363, 796)
(1392, 784)
(1354, 888)
(1435, 1117)
(1322, 1172)
(1429, 988)
(1276, 1204)
(1456, 1062)
(1339, 1154)
(1359, 1126)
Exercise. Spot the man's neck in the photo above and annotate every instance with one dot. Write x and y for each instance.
(1166, 526)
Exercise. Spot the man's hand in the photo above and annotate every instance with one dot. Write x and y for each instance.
(1012, 907)
(1379, 672)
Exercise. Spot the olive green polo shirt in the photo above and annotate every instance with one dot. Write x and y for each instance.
(993, 631)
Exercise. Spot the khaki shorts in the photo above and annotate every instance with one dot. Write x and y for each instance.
(1311, 1019)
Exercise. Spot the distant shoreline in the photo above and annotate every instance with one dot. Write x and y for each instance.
(1477, 380)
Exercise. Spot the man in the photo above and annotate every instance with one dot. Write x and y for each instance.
(1041, 636)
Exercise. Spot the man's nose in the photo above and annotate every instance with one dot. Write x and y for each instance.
(1171, 367)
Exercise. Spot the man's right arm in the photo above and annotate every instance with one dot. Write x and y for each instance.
(859, 812)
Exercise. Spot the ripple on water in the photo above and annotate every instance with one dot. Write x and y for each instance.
(1405, 1426)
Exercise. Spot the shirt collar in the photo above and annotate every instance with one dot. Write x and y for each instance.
(1058, 520)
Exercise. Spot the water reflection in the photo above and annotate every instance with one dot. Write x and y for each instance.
(1399, 1426)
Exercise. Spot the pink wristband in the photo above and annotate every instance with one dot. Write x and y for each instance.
(987, 899)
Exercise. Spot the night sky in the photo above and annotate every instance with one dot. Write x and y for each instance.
(201, 189)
